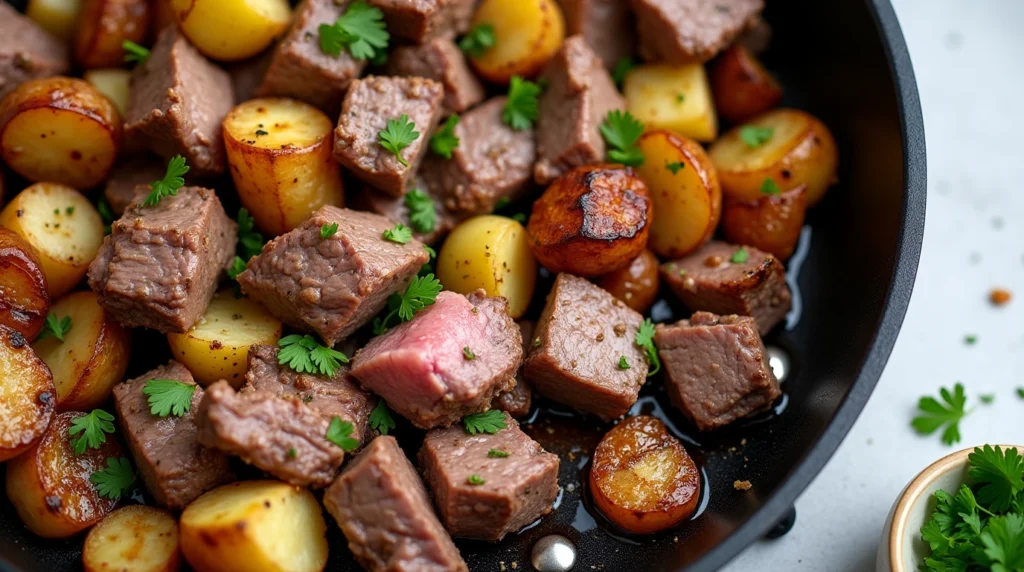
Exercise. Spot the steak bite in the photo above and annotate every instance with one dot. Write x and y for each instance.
(331, 286)
(177, 103)
(517, 401)
(125, 181)
(583, 335)
(580, 94)
(440, 60)
(368, 105)
(299, 68)
(160, 265)
(422, 20)
(607, 25)
(691, 31)
(710, 280)
(383, 509)
(717, 368)
(27, 51)
(449, 361)
(486, 486)
(175, 468)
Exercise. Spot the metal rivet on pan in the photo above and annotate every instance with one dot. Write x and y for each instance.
(779, 362)
(553, 553)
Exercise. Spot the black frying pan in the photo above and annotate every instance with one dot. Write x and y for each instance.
(846, 62)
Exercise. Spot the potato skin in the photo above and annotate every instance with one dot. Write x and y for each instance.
(635, 284)
(772, 223)
(24, 301)
(103, 26)
(27, 396)
(527, 34)
(49, 485)
(642, 478)
(591, 220)
(743, 89)
(137, 538)
(55, 16)
(231, 30)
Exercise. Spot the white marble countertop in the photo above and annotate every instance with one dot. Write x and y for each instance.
(967, 57)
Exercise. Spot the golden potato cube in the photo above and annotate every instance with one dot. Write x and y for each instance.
(677, 98)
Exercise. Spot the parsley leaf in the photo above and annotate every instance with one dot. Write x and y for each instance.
(55, 327)
(420, 293)
(770, 187)
(106, 215)
(250, 242)
(380, 418)
(238, 266)
(169, 185)
(645, 339)
(488, 422)
(521, 108)
(94, 427)
(444, 142)
(622, 69)
(755, 136)
(477, 40)
(987, 398)
(520, 218)
(360, 29)
(621, 131)
(999, 472)
(114, 479)
(169, 397)
(422, 216)
(497, 454)
(475, 480)
(970, 339)
(935, 414)
(304, 354)
(740, 256)
(399, 233)
(467, 354)
(1004, 542)
(623, 362)
(338, 432)
(134, 52)
(397, 136)
(1020, 392)
(328, 230)
(675, 167)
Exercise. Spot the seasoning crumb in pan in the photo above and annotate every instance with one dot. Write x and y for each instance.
(742, 485)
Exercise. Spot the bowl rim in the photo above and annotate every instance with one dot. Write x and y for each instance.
(895, 308)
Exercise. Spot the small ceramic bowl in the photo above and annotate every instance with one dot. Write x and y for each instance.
(902, 549)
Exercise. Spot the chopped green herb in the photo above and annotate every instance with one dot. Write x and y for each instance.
(934, 415)
(622, 131)
(468, 354)
(398, 135)
(134, 53)
(444, 142)
(250, 242)
(645, 339)
(261, 132)
(970, 339)
(675, 167)
(521, 108)
(327, 230)
(740, 256)
(680, 98)
(360, 30)
(420, 293)
(380, 418)
(169, 185)
(292, 452)
(305, 355)
(422, 216)
(106, 215)
(339, 432)
(520, 218)
(497, 454)
(488, 422)
(987, 398)
(168, 397)
(399, 233)
(93, 427)
(475, 480)
(114, 479)
(770, 187)
(1020, 392)
(623, 362)
(755, 136)
(622, 69)
(55, 327)
(238, 266)
(502, 203)
(477, 40)
(69, 211)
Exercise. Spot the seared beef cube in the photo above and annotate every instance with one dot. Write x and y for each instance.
(280, 435)
(175, 468)
(129, 179)
(607, 25)
(717, 368)
(338, 396)
(576, 350)
(369, 104)
(299, 68)
(449, 361)
(422, 20)
(381, 505)
(370, 199)
(27, 51)
(492, 162)
(691, 31)
(160, 265)
(709, 280)
(331, 286)
(440, 60)
(487, 486)
(579, 95)
(517, 401)
(177, 103)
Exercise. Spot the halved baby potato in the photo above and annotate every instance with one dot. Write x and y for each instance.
(102, 28)
(490, 252)
(677, 98)
(799, 151)
(230, 30)
(55, 16)
(217, 347)
(63, 228)
(280, 153)
(27, 396)
(93, 356)
(526, 34)
(134, 538)
(684, 188)
(59, 129)
(255, 526)
(115, 83)
(772, 223)
(50, 484)
(743, 89)
(24, 300)
(642, 478)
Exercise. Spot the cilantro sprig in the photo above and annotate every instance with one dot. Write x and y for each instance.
(55, 327)
(94, 427)
(250, 242)
(422, 215)
(113, 480)
(169, 185)
(420, 293)
(380, 418)
(398, 233)
(444, 142)
(398, 135)
(488, 422)
(477, 40)
(522, 106)
(935, 415)
(360, 30)
(622, 131)
(645, 339)
(339, 432)
(304, 354)
(169, 397)
(134, 53)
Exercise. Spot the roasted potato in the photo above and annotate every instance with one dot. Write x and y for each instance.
(57, 17)
(743, 89)
(50, 484)
(280, 153)
(61, 130)
(24, 300)
(134, 538)
(526, 34)
(490, 252)
(677, 98)
(642, 479)
(27, 395)
(684, 188)
(91, 359)
(772, 223)
(591, 221)
(255, 526)
(63, 228)
(635, 284)
(800, 150)
(218, 345)
(104, 26)
(115, 83)
(230, 30)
